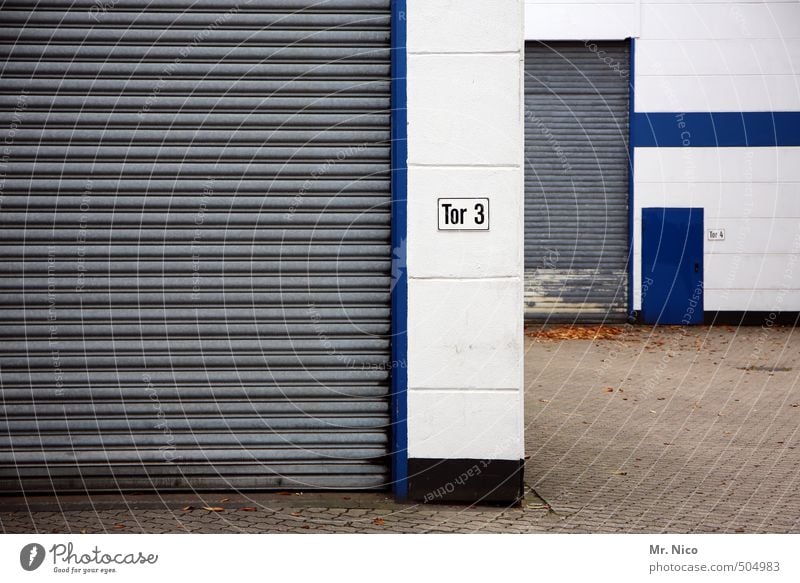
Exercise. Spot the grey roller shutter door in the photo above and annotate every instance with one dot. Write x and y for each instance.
(196, 244)
(576, 181)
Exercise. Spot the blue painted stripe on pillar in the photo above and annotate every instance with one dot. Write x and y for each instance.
(399, 184)
(716, 129)
(631, 131)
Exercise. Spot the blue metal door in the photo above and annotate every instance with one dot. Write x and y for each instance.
(672, 265)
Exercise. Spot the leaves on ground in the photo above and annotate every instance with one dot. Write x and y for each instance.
(379, 521)
(214, 508)
(576, 333)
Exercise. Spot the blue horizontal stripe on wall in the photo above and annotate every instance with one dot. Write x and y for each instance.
(716, 129)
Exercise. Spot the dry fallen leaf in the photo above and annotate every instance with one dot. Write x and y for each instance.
(609, 390)
(187, 508)
(379, 521)
(248, 508)
(225, 500)
(214, 508)
(620, 473)
(119, 526)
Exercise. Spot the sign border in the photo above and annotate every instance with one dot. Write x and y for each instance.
(488, 212)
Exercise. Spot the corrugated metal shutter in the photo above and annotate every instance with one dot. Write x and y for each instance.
(196, 246)
(576, 181)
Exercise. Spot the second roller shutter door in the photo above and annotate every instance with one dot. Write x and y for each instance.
(576, 181)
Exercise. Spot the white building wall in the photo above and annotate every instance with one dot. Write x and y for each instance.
(710, 56)
(581, 19)
(718, 56)
(752, 193)
(465, 139)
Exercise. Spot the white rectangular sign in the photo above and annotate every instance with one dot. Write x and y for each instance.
(716, 234)
(463, 214)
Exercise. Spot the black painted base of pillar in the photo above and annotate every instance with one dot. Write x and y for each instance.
(723, 318)
(468, 481)
(767, 319)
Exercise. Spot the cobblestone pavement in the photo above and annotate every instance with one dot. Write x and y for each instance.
(666, 430)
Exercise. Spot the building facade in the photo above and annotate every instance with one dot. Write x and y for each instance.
(223, 266)
(292, 245)
(712, 129)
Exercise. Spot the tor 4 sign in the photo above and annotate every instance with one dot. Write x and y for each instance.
(463, 214)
